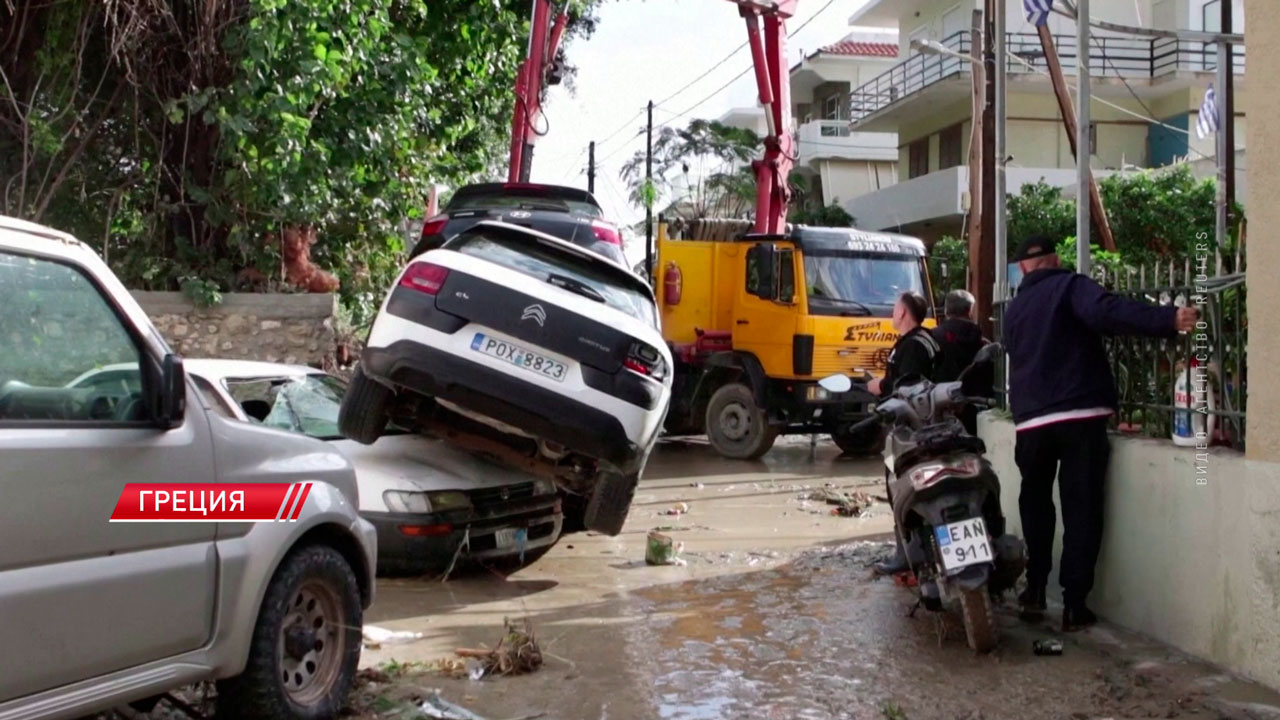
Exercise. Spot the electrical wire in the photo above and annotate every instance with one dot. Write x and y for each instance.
(735, 78)
(1134, 93)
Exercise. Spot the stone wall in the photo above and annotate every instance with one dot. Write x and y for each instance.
(289, 328)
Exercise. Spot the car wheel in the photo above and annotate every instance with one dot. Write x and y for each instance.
(365, 409)
(610, 501)
(736, 427)
(306, 645)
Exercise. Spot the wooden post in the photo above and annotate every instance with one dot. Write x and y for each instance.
(1068, 111)
(982, 269)
(975, 141)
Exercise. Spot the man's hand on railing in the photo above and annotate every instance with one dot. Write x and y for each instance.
(1186, 319)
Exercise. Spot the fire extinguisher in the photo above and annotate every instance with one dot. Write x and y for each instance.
(672, 284)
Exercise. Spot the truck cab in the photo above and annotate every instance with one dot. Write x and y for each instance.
(754, 323)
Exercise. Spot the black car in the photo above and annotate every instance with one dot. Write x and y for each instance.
(564, 212)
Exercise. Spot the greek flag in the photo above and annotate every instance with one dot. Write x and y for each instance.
(1208, 122)
(1037, 11)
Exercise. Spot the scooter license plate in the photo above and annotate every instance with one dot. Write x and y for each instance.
(963, 543)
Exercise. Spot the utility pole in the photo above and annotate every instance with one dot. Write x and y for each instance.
(1226, 136)
(1068, 110)
(1001, 200)
(591, 167)
(975, 143)
(1084, 150)
(982, 264)
(648, 198)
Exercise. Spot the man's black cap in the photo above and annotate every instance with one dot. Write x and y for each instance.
(1034, 247)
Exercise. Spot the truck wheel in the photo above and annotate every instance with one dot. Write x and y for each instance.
(365, 409)
(306, 645)
(979, 625)
(867, 441)
(736, 427)
(610, 502)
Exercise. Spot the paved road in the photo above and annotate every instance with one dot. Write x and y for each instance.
(775, 616)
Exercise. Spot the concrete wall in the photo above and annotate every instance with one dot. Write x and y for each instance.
(271, 327)
(1263, 77)
(1193, 565)
(844, 180)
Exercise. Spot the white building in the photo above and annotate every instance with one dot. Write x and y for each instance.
(926, 99)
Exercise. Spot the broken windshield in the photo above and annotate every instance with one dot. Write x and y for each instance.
(845, 283)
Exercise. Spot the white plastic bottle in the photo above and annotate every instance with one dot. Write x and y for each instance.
(1193, 394)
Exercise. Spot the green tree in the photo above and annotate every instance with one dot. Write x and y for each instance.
(948, 266)
(697, 169)
(821, 216)
(1039, 209)
(184, 140)
(1153, 214)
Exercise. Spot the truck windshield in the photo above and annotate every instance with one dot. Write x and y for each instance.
(847, 283)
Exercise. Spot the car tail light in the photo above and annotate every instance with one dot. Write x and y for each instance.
(923, 476)
(434, 226)
(424, 277)
(645, 360)
(606, 232)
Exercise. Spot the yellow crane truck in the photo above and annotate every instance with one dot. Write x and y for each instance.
(755, 322)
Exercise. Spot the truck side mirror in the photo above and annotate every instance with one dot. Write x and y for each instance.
(786, 277)
(172, 406)
(762, 271)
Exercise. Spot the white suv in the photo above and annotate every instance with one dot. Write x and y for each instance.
(524, 345)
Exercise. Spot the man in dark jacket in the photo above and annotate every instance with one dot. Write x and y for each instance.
(913, 358)
(1061, 393)
(914, 355)
(960, 339)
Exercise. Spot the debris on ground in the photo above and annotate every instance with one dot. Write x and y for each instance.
(517, 652)
(662, 550)
(375, 637)
(861, 554)
(437, 707)
(678, 509)
(847, 504)
(697, 485)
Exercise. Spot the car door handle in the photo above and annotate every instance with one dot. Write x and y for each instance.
(743, 322)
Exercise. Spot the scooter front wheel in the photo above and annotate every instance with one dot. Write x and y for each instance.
(979, 623)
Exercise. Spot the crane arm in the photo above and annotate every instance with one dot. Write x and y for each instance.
(767, 38)
(544, 42)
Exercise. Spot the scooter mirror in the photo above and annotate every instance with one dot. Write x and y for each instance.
(988, 353)
(836, 383)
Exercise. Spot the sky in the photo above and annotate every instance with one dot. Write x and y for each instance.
(646, 50)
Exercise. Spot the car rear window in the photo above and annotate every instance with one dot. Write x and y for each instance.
(535, 258)
(516, 201)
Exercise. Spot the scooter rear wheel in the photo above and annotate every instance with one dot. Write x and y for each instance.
(979, 623)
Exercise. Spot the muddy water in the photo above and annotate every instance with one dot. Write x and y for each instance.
(821, 638)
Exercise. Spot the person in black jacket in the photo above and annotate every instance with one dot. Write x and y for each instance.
(960, 339)
(914, 355)
(913, 358)
(1061, 393)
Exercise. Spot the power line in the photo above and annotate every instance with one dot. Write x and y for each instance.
(735, 78)
(709, 70)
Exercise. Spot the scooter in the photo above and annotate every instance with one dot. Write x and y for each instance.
(946, 496)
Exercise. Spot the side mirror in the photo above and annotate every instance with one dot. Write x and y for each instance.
(762, 276)
(172, 406)
(989, 353)
(836, 383)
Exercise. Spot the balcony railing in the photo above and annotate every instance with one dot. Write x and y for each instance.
(1109, 56)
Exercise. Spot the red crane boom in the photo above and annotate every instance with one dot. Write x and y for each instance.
(773, 83)
(544, 42)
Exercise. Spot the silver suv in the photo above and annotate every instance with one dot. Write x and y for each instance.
(95, 614)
